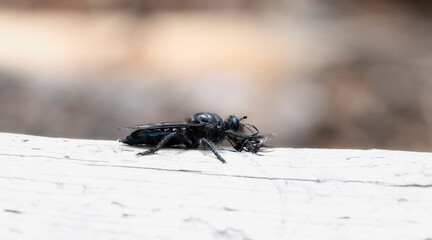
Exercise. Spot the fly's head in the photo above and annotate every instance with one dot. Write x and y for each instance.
(233, 123)
(243, 136)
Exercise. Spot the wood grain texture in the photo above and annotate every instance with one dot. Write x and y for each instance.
(56, 188)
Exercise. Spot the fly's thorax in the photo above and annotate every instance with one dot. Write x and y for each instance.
(206, 125)
(211, 119)
(210, 131)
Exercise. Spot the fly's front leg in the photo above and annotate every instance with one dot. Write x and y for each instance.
(159, 145)
(210, 145)
(234, 134)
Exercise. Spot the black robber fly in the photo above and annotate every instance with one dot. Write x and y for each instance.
(200, 129)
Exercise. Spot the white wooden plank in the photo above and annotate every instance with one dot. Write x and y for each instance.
(55, 188)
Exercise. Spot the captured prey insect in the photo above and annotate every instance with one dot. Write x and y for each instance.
(200, 128)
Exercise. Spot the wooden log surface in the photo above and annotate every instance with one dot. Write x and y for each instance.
(57, 188)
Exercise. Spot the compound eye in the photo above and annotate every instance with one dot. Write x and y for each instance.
(235, 123)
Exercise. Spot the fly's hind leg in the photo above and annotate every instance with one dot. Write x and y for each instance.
(210, 145)
(159, 145)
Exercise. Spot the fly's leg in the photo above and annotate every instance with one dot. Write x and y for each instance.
(159, 145)
(210, 145)
(234, 134)
(187, 142)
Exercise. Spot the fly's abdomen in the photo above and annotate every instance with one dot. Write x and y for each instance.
(148, 138)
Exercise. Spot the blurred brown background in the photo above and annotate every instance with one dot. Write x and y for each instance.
(319, 73)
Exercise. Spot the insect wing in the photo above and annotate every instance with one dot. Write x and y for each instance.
(163, 125)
